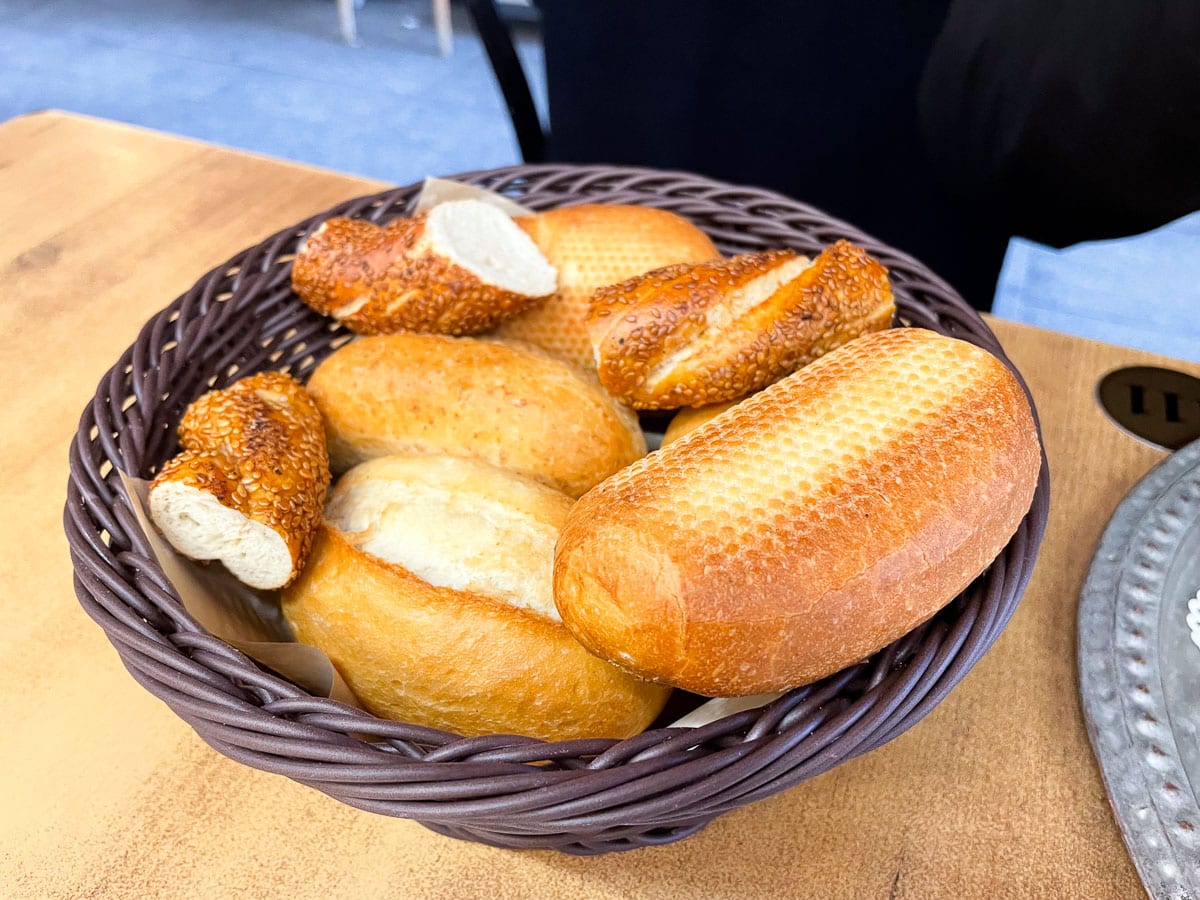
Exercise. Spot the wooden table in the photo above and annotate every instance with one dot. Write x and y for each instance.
(108, 794)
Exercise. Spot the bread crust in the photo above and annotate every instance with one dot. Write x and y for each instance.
(457, 660)
(692, 417)
(593, 245)
(666, 339)
(382, 279)
(258, 448)
(809, 526)
(634, 325)
(509, 404)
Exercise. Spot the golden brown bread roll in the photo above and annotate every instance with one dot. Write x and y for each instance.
(593, 245)
(509, 404)
(808, 527)
(459, 268)
(692, 417)
(430, 590)
(692, 335)
(248, 488)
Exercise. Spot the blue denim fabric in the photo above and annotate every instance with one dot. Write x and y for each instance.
(1141, 291)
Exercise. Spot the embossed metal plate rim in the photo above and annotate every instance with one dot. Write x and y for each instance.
(1121, 676)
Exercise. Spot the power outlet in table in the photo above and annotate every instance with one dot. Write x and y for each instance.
(1158, 405)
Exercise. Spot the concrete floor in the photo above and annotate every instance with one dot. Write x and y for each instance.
(271, 76)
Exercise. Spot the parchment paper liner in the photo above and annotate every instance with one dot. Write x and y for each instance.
(246, 619)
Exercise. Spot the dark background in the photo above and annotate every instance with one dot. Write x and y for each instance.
(941, 128)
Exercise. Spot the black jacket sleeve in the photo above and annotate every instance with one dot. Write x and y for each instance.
(1072, 119)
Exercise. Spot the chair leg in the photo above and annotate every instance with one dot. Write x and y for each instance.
(441, 24)
(506, 66)
(348, 22)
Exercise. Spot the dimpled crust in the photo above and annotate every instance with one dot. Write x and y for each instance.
(258, 448)
(455, 659)
(382, 279)
(693, 335)
(509, 404)
(811, 525)
(594, 245)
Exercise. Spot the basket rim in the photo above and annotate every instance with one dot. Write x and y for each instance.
(196, 673)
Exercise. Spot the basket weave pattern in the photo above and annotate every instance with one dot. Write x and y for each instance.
(587, 796)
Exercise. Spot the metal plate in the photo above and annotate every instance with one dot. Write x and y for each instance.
(1139, 672)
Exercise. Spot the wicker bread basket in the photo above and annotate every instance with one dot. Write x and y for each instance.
(584, 797)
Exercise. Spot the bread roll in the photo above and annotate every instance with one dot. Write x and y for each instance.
(508, 404)
(692, 335)
(430, 590)
(808, 527)
(591, 246)
(248, 488)
(692, 417)
(459, 268)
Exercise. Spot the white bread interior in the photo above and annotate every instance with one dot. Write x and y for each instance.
(200, 527)
(491, 246)
(454, 523)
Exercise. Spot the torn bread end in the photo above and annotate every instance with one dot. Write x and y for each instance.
(490, 245)
(197, 525)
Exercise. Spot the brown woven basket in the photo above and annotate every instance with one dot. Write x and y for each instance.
(588, 796)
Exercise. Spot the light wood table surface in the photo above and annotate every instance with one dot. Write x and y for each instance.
(107, 794)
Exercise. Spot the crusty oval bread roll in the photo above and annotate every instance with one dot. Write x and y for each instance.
(509, 404)
(811, 525)
(458, 268)
(692, 417)
(430, 590)
(248, 487)
(592, 245)
(692, 335)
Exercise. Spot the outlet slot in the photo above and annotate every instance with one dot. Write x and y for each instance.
(1160, 406)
